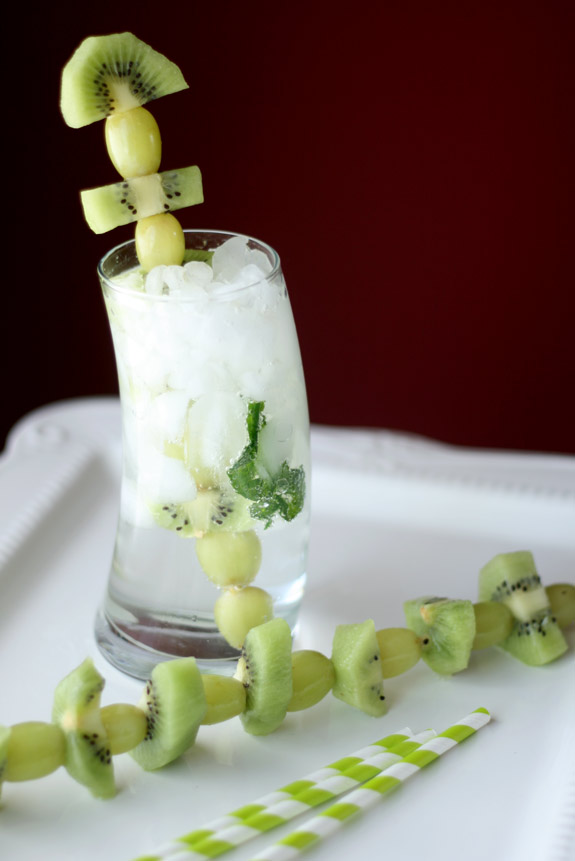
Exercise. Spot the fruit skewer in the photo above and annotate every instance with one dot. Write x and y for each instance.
(111, 78)
(165, 723)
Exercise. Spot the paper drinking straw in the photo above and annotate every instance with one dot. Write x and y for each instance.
(225, 833)
(331, 820)
(353, 773)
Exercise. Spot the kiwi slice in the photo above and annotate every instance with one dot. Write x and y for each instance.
(4, 739)
(358, 672)
(447, 630)
(132, 199)
(76, 711)
(265, 670)
(110, 74)
(512, 579)
(175, 704)
(212, 510)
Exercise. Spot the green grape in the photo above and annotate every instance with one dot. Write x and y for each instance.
(400, 650)
(493, 624)
(313, 676)
(562, 602)
(237, 611)
(34, 750)
(126, 726)
(133, 142)
(230, 558)
(160, 241)
(225, 698)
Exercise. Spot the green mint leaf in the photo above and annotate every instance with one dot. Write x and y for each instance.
(282, 493)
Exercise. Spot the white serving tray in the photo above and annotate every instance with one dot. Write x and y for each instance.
(394, 517)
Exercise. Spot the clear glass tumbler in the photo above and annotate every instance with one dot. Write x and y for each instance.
(215, 435)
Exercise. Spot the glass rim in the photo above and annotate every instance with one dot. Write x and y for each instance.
(229, 234)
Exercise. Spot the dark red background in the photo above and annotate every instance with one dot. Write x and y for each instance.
(412, 162)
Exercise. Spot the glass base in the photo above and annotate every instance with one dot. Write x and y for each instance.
(135, 649)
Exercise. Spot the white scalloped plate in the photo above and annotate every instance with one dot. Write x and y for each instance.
(393, 517)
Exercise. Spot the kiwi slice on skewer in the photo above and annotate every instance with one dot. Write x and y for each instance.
(264, 669)
(76, 711)
(127, 201)
(358, 672)
(110, 74)
(446, 629)
(512, 579)
(211, 511)
(175, 704)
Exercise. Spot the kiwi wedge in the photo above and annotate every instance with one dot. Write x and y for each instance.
(358, 672)
(111, 74)
(175, 704)
(512, 579)
(446, 629)
(76, 711)
(212, 510)
(140, 197)
(265, 670)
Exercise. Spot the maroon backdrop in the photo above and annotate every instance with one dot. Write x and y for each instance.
(412, 162)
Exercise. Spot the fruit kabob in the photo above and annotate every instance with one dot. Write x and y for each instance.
(516, 613)
(110, 78)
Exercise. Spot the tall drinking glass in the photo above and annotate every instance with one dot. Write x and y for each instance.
(215, 434)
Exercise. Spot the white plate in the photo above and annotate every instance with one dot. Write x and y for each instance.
(394, 517)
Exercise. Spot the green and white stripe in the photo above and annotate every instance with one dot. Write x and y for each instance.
(332, 819)
(276, 808)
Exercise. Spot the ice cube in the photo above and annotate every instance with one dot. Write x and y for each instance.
(167, 416)
(163, 478)
(247, 275)
(174, 278)
(259, 259)
(155, 281)
(216, 431)
(200, 373)
(200, 273)
(229, 258)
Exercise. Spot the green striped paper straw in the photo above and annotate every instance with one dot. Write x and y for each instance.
(277, 808)
(353, 772)
(331, 820)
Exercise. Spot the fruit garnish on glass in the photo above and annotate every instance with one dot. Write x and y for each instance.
(215, 422)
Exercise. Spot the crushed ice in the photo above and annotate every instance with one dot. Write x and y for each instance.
(234, 265)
